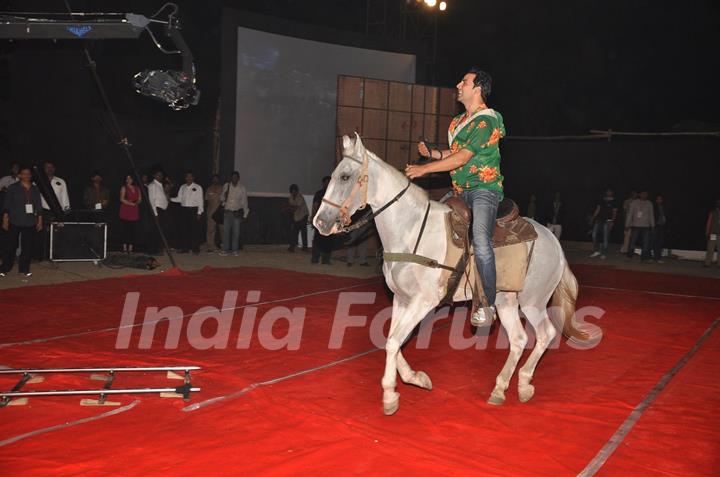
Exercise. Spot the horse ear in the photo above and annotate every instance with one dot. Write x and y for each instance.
(347, 143)
(359, 147)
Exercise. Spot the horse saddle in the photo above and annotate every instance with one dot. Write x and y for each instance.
(510, 228)
(511, 256)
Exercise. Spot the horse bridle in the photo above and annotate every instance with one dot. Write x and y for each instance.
(361, 185)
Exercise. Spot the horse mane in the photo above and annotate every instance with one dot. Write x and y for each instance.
(415, 191)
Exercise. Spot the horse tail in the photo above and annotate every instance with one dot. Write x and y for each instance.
(563, 300)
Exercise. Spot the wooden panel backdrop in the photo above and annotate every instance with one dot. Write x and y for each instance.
(392, 117)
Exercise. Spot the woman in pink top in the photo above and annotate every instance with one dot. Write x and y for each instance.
(130, 198)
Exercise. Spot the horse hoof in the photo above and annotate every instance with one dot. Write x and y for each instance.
(496, 400)
(526, 392)
(391, 408)
(423, 380)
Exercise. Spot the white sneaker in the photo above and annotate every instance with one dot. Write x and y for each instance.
(594, 254)
(223, 253)
(660, 261)
(483, 317)
(236, 254)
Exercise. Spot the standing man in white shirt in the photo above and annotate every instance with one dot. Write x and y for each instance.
(158, 204)
(234, 199)
(11, 178)
(190, 196)
(6, 182)
(58, 186)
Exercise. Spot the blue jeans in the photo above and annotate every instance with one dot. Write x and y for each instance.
(484, 205)
(604, 228)
(231, 232)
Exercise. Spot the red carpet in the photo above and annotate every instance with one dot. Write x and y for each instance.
(329, 421)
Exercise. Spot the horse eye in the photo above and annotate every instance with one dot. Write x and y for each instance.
(344, 177)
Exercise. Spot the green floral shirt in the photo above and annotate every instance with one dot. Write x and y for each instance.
(481, 136)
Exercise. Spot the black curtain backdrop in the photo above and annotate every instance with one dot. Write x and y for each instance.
(684, 171)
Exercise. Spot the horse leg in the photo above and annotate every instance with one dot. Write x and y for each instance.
(545, 332)
(507, 307)
(404, 318)
(408, 376)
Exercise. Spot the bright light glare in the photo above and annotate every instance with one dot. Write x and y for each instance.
(431, 3)
(443, 6)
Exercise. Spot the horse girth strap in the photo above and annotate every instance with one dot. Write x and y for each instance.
(414, 258)
(422, 228)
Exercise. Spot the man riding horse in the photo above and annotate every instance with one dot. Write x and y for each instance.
(474, 165)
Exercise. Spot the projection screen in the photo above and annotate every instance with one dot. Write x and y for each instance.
(286, 106)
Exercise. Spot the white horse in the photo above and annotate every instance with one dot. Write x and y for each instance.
(362, 178)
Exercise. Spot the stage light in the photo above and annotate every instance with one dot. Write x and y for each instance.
(431, 3)
(443, 6)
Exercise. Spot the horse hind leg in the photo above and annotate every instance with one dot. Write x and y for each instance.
(409, 376)
(545, 333)
(507, 307)
(404, 319)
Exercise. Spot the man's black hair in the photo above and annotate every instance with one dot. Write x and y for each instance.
(326, 178)
(95, 173)
(483, 80)
(235, 173)
(294, 187)
(22, 167)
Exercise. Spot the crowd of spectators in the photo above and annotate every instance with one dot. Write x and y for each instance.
(214, 217)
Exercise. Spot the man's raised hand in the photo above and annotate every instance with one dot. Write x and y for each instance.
(413, 171)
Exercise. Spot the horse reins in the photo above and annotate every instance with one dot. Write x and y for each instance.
(362, 184)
